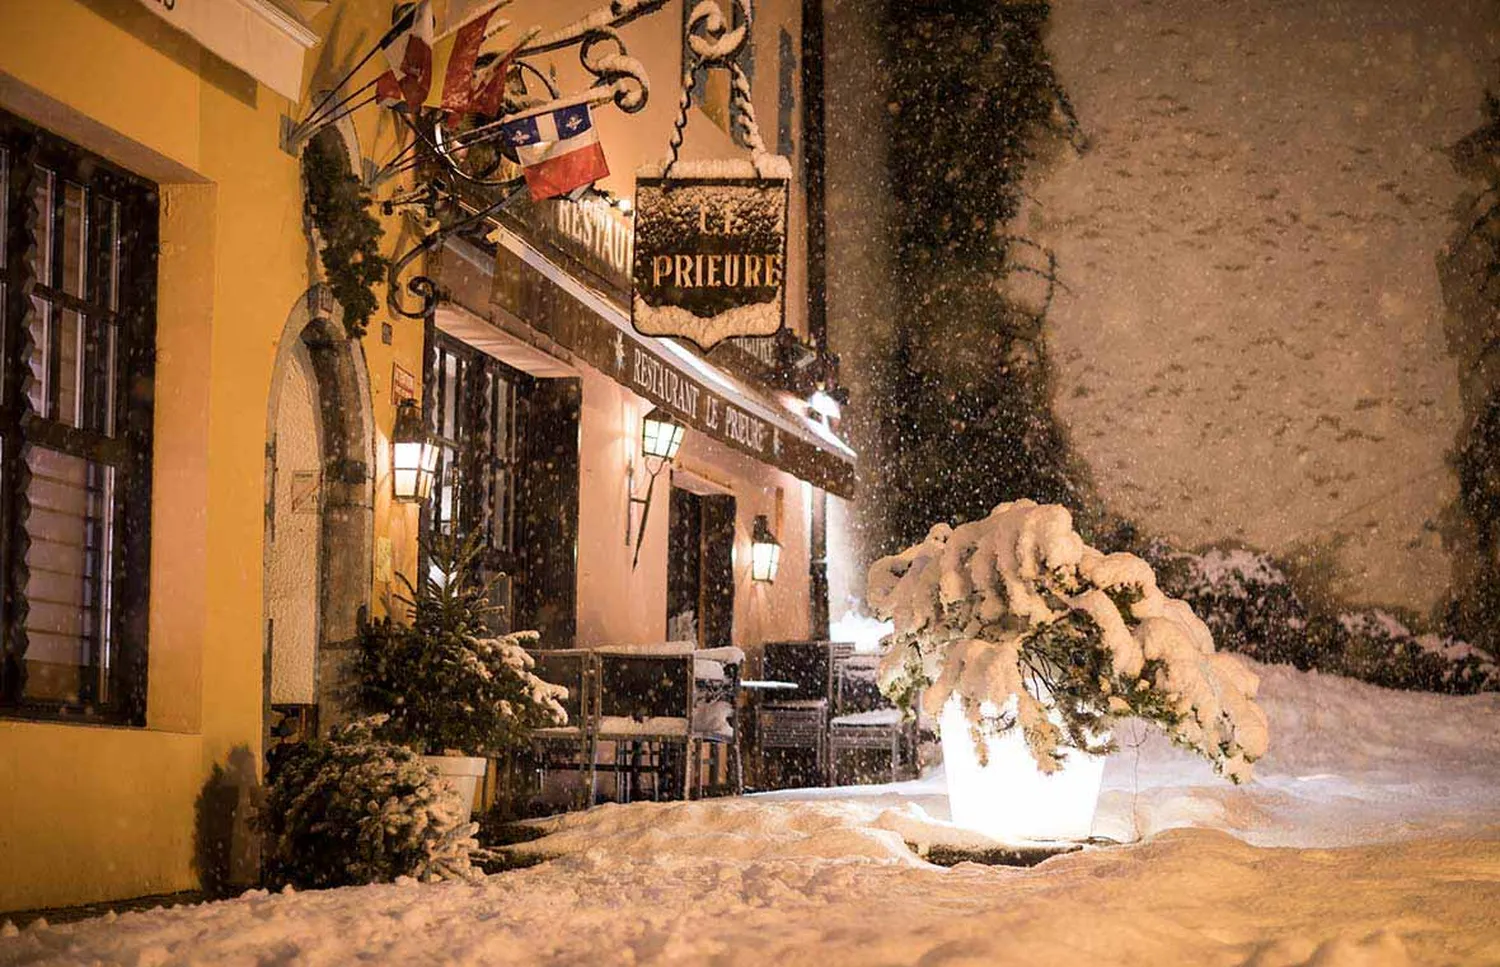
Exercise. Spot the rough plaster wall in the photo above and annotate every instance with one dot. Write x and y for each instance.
(292, 573)
(1252, 347)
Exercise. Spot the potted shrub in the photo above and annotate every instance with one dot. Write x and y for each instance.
(448, 688)
(1030, 645)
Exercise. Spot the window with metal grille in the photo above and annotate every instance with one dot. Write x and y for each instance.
(477, 418)
(78, 306)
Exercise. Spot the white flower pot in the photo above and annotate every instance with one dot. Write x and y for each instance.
(462, 774)
(1008, 798)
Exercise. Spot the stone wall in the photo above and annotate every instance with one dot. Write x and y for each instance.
(1252, 346)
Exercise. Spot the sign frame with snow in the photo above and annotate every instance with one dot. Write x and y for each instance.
(710, 250)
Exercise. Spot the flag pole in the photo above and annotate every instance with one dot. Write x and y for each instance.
(480, 11)
(314, 121)
(337, 115)
(403, 22)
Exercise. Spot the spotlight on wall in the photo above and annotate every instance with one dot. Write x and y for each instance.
(661, 438)
(413, 457)
(824, 405)
(765, 551)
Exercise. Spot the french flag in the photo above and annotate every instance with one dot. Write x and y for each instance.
(559, 150)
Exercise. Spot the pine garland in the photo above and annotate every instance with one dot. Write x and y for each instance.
(339, 207)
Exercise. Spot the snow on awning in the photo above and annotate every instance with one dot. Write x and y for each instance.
(254, 35)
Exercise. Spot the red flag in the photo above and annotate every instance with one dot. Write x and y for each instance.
(489, 92)
(409, 52)
(459, 86)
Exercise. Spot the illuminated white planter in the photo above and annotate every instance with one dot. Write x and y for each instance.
(1008, 798)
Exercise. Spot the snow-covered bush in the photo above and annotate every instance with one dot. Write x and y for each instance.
(1033, 629)
(1252, 607)
(443, 682)
(1377, 647)
(352, 809)
(1246, 599)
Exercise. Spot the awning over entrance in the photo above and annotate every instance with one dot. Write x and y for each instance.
(535, 287)
(532, 284)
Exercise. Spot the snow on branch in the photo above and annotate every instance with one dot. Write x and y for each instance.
(1030, 627)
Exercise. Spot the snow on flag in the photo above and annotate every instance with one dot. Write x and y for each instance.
(559, 150)
(458, 60)
(408, 51)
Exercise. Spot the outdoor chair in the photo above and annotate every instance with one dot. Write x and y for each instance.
(643, 710)
(797, 720)
(798, 724)
(715, 723)
(569, 747)
(863, 719)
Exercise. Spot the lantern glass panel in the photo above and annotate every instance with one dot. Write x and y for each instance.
(765, 558)
(660, 436)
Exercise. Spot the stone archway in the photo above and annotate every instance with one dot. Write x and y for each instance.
(319, 517)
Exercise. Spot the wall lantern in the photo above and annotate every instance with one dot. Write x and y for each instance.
(765, 551)
(661, 435)
(661, 438)
(414, 460)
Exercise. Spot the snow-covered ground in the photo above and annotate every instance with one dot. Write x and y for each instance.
(1371, 836)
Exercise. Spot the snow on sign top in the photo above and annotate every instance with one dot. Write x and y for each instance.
(710, 251)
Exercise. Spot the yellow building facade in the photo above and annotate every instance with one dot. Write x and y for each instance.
(247, 354)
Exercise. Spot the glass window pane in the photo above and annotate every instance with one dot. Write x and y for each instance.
(106, 277)
(42, 195)
(448, 425)
(69, 368)
(41, 345)
(104, 374)
(71, 529)
(75, 227)
(4, 203)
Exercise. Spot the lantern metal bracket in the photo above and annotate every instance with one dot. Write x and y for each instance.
(654, 467)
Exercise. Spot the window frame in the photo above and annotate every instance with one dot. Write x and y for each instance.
(125, 446)
(477, 467)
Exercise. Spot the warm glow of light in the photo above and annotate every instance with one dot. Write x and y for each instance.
(1008, 799)
(864, 632)
(765, 552)
(413, 457)
(765, 558)
(824, 405)
(661, 436)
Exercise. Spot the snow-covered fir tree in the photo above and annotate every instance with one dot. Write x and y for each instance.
(1031, 628)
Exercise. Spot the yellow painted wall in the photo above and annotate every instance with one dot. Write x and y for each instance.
(91, 813)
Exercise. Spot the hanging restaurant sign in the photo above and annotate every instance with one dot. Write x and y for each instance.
(710, 257)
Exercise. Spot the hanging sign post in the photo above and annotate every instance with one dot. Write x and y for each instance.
(710, 257)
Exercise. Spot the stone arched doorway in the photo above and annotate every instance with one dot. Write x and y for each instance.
(319, 516)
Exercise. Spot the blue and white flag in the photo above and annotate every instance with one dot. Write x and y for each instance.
(559, 150)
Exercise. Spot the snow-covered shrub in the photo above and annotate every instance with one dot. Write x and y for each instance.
(1033, 629)
(352, 809)
(1246, 599)
(1251, 605)
(1379, 648)
(443, 682)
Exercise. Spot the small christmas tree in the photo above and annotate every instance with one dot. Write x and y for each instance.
(442, 681)
(352, 809)
(1031, 628)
